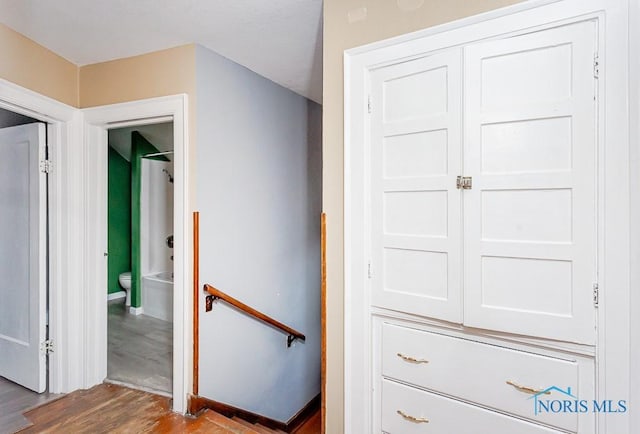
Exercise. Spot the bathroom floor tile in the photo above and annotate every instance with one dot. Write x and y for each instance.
(139, 349)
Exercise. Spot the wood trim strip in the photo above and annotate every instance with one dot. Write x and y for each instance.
(199, 403)
(196, 299)
(253, 312)
(323, 321)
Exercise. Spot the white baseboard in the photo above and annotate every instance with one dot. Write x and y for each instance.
(116, 295)
(136, 310)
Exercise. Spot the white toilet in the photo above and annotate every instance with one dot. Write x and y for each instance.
(125, 282)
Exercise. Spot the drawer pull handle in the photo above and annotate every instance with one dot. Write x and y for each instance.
(413, 418)
(412, 359)
(526, 389)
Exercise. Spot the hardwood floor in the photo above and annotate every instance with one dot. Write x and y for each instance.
(109, 408)
(15, 400)
(139, 349)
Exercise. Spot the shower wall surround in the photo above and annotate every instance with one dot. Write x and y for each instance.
(139, 147)
(156, 217)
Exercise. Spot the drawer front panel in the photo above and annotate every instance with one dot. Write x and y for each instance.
(406, 410)
(489, 375)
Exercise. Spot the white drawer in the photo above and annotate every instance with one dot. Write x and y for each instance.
(405, 410)
(480, 373)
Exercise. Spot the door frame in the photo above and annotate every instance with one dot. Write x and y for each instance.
(618, 157)
(65, 372)
(97, 121)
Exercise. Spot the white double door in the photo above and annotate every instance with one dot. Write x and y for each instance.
(515, 252)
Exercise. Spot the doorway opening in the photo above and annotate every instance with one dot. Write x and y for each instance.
(98, 121)
(140, 256)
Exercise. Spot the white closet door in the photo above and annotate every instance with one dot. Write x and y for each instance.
(415, 207)
(530, 217)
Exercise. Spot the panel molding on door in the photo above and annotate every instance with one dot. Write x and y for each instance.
(530, 219)
(415, 206)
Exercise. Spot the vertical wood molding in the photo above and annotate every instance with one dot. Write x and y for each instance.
(323, 321)
(196, 298)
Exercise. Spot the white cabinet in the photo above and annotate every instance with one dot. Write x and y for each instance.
(406, 410)
(530, 219)
(416, 208)
(489, 374)
(523, 132)
(483, 263)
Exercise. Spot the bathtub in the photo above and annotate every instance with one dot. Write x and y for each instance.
(157, 295)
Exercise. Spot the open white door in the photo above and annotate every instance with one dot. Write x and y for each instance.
(23, 234)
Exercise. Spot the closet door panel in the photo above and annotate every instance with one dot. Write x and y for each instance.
(415, 156)
(530, 217)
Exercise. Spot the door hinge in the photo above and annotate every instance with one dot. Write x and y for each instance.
(46, 166)
(596, 295)
(369, 271)
(369, 104)
(47, 347)
(463, 182)
(596, 66)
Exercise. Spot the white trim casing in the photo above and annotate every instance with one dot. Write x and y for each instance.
(618, 193)
(95, 248)
(65, 218)
(97, 121)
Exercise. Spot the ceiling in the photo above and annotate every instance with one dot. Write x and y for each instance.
(278, 39)
(159, 135)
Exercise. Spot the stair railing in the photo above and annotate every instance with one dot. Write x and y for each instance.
(214, 294)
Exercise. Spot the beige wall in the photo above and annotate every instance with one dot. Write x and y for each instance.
(166, 72)
(384, 19)
(30, 65)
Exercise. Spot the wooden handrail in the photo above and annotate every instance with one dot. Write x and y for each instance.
(214, 294)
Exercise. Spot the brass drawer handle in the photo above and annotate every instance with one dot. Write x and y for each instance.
(411, 359)
(526, 389)
(413, 418)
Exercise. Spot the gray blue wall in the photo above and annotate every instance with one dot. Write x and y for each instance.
(259, 196)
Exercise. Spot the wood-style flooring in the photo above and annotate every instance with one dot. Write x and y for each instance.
(139, 349)
(15, 400)
(110, 408)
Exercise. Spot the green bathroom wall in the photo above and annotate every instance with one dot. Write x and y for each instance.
(139, 147)
(119, 219)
